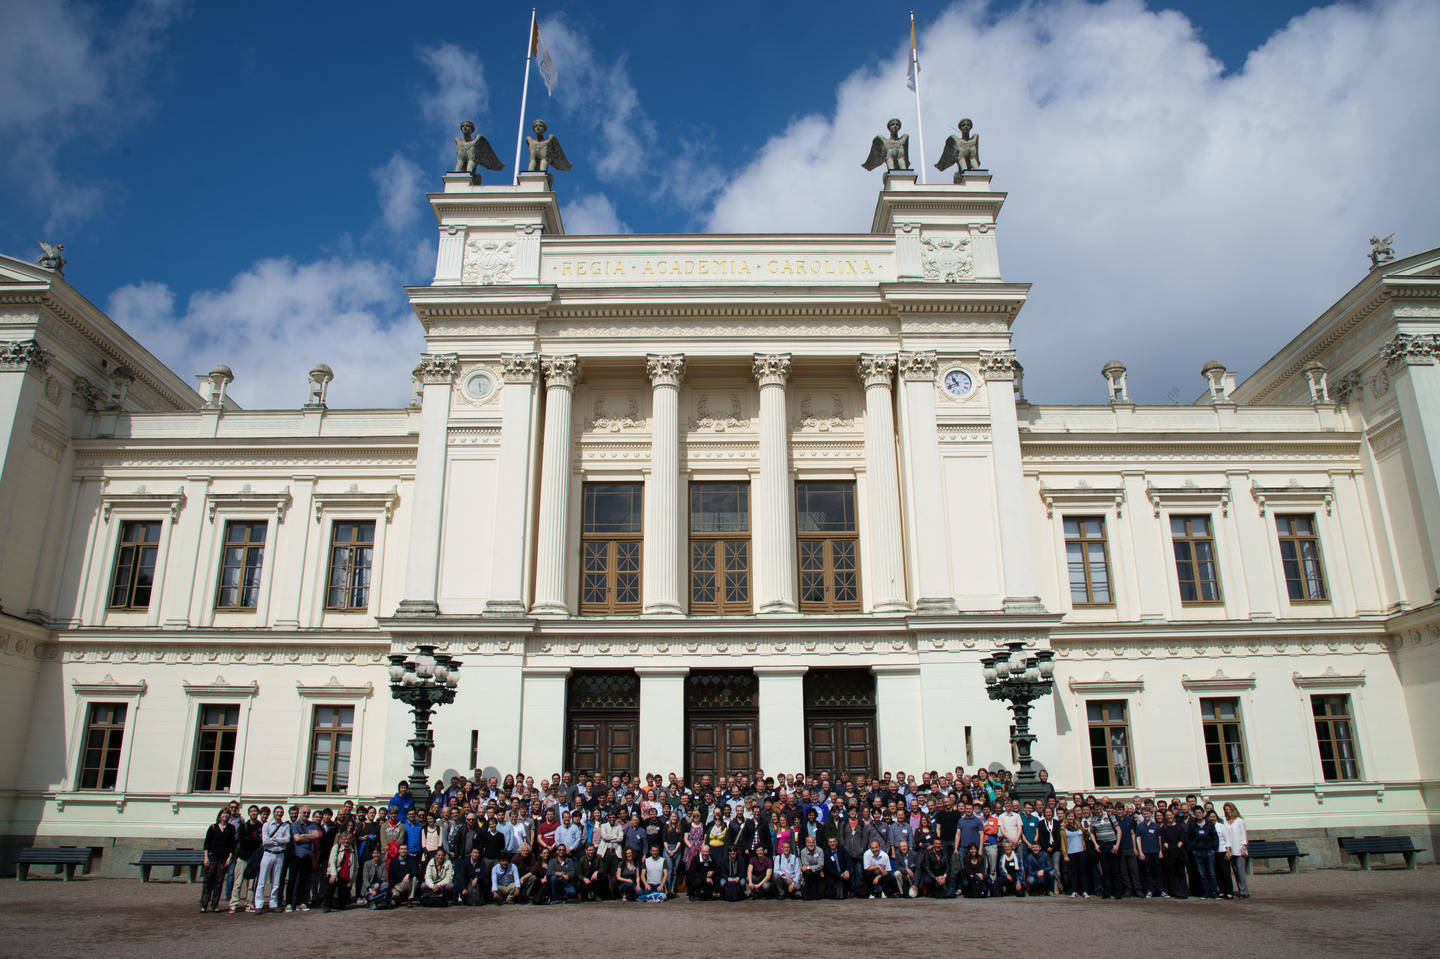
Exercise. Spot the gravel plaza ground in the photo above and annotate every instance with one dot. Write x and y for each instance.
(1329, 913)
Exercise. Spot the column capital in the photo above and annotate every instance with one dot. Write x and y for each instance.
(437, 368)
(519, 367)
(24, 355)
(665, 369)
(876, 369)
(561, 371)
(1410, 349)
(772, 368)
(919, 366)
(998, 364)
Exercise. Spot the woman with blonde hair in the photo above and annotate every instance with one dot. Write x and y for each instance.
(1239, 849)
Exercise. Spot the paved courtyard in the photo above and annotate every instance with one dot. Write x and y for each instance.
(1327, 913)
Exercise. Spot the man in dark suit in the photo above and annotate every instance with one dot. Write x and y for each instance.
(702, 880)
(732, 875)
(839, 872)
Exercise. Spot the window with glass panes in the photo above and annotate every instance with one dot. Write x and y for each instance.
(1224, 741)
(1193, 538)
(240, 561)
(1110, 744)
(330, 737)
(1335, 735)
(352, 553)
(612, 525)
(134, 577)
(1088, 560)
(215, 748)
(1300, 558)
(719, 547)
(100, 753)
(829, 547)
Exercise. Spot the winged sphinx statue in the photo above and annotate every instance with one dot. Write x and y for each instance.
(893, 151)
(51, 257)
(472, 152)
(1381, 251)
(545, 151)
(962, 151)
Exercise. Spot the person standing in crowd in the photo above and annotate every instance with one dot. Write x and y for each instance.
(1222, 852)
(1203, 843)
(812, 870)
(339, 873)
(1239, 849)
(1078, 842)
(247, 856)
(304, 834)
(1148, 842)
(219, 855)
(1174, 853)
(275, 837)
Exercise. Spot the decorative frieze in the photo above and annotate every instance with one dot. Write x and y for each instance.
(821, 411)
(726, 413)
(998, 364)
(437, 368)
(617, 414)
(23, 355)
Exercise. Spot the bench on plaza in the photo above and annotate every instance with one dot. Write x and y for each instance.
(67, 857)
(176, 859)
(1363, 847)
(1275, 849)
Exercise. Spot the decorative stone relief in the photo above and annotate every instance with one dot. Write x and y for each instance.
(1380, 384)
(946, 259)
(771, 368)
(665, 370)
(436, 368)
(998, 364)
(1348, 387)
(875, 369)
(919, 366)
(561, 371)
(23, 355)
(1407, 349)
(519, 367)
(719, 412)
(612, 417)
(488, 261)
(821, 411)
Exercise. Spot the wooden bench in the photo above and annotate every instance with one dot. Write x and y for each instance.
(1275, 849)
(67, 856)
(176, 859)
(1363, 847)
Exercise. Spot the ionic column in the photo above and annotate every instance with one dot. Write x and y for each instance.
(436, 373)
(561, 372)
(775, 514)
(998, 369)
(512, 484)
(662, 504)
(887, 571)
(934, 592)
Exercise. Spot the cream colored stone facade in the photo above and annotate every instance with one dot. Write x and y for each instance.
(554, 361)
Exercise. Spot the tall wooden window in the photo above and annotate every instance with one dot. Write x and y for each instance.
(1300, 557)
(719, 547)
(610, 538)
(1110, 744)
(240, 563)
(330, 735)
(1193, 538)
(135, 565)
(1224, 741)
(352, 553)
(1335, 734)
(1088, 559)
(829, 547)
(104, 735)
(215, 748)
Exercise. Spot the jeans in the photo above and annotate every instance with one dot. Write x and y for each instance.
(992, 859)
(271, 866)
(674, 860)
(1205, 865)
(561, 888)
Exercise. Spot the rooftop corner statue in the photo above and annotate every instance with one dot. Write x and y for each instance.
(962, 150)
(51, 258)
(1381, 251)
(893, 151)
(545, 151)
(472, 152)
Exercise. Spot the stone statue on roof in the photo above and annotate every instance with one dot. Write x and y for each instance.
(545, 151)
(1381, 251)
(893, 151)
(472, 152)
(962, 151)
(51, 257)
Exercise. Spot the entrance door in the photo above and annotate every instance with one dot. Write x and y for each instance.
(603, 722)
(840, 721)
(723, 724)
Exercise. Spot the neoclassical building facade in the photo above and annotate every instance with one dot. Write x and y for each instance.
(711, 503)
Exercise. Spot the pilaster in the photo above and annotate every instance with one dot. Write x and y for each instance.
(934, 590)
(998, 369)
(513, 497)
(542, 717)
(782, 716)
(662, 708)
(436, 373)
(898, 718)
(1411, 361)
(887, 575)
(561, 374)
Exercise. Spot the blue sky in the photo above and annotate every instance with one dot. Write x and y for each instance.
(243, 183)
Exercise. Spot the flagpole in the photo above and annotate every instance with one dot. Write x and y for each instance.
(524, 93)
(919, 120)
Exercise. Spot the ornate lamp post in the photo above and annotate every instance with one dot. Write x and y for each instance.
(422, 680)
(1020, 679)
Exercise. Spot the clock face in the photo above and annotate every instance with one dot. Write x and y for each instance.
(478, 385)
(958, 383)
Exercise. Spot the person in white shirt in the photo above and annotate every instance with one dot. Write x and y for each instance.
(878, 874)
(654, 872)
(274, 842)
(1239, 849)
(1011, 824)
(787, 872)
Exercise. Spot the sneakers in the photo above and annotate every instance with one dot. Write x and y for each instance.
(1076, 895)
(289, 908)
(1149, 895)
(304, 908)
(232, 910)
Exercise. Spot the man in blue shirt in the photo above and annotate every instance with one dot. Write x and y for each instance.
(303, 835)
(1147, 834)
(968, 830)
(414, 831)
(402, 801)
(1129, 856)
(1029, 830)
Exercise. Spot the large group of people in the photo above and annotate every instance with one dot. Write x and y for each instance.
(583, 838)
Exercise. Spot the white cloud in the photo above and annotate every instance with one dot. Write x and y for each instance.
(592, 213)
(460, 92)
(1166, 212)
(70, 78)
(278, 319)
(402, 194)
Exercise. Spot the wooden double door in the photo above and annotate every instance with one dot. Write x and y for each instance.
(723, 744)
(605, 742)
(840, 743)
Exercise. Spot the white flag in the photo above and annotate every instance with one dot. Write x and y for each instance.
(913, 71)
(541, 53)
